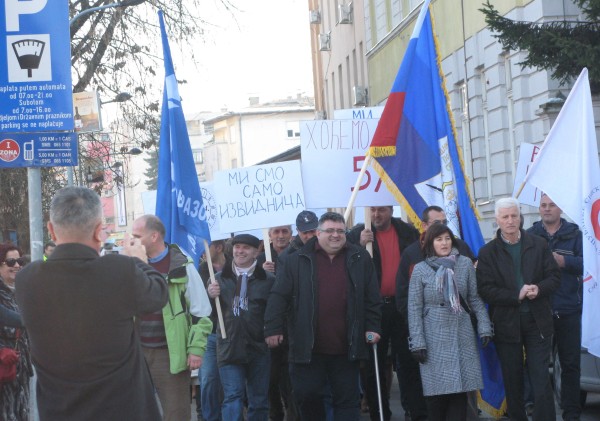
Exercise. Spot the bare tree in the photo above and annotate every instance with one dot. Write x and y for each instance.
(113, 50)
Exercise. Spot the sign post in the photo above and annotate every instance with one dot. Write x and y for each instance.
(35, 92)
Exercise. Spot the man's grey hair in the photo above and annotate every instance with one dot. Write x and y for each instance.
(289, 227)
(76, 209)
(506, 202)
(331, 216)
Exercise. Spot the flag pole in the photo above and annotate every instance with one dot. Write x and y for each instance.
(267, 245)
(357, 186)
(520, 190)
(369, 245)
(211, 271)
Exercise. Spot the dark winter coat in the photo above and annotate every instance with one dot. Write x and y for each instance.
(244, 332)
(79, 309)
(295, 297)
(407, 234)
(568, 242)
(497, 286)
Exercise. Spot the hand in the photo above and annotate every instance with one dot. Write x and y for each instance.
(194, 361)
(533, 292)
(133, 247)
(485, 341)
(274, 341)
(420, 355)
(560, 259)
(372, 337)
(366, 236)
(524, 291)
(213, 290)
(269, 267)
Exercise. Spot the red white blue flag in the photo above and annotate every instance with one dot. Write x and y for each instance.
(415, 153)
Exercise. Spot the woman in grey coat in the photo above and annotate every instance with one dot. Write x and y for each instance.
(442, 337)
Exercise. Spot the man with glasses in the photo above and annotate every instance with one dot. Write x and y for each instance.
(390, 236)
(408, 367)
(328, 293)
(173, 338)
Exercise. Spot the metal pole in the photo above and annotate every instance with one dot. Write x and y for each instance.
(370, 337)
(36, 225)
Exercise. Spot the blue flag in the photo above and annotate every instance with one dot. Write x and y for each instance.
(415, 153)
(179, 199)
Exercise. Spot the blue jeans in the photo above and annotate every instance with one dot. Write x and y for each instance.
(210, 382)
(253, 378)
(309, 383)
(567, 335)
(537, 349)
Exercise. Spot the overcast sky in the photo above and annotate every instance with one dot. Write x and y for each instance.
(268, 56)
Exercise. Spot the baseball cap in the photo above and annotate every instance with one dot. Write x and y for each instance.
(307, 221)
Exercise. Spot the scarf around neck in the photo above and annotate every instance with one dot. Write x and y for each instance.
(444, 278)
(240, 300)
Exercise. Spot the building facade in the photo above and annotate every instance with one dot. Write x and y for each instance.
(497, 104)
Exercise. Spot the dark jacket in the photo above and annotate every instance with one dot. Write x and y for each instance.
(79, 310)
(407, 234)
(244, 332)
(412, 255)
(568, 242)
(295, 297)
(497, 286)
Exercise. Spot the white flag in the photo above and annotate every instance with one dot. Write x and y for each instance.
(567, 170)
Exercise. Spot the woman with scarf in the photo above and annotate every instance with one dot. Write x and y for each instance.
(442, 293)
(14, 395)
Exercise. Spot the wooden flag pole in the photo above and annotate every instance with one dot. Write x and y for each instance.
(357, 186)
(369, 245)
(267, 245)
(211, 271)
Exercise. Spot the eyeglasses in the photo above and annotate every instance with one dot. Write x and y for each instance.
(331, 231)
(12, 262)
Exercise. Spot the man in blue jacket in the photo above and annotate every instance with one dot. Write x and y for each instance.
(565, 241)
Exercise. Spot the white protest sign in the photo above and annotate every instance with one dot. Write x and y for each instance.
(530, 194)
(358, 113)
(332, 155)
(261, 196)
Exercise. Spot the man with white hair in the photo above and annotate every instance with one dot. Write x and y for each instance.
(516, 276)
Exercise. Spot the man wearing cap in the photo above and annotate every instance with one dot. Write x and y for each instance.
(327, 294)
(390, 236)
(243, 357)
(280, 388)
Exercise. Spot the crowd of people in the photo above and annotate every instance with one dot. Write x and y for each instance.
(300, 331)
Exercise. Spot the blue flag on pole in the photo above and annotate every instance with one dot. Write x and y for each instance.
(415, 153)
(179, 199)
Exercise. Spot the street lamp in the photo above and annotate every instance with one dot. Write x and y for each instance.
(125, 3)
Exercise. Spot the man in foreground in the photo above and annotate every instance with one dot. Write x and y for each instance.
(174, 337)
(566, 243)
(329, 295)
(516, 277)
(79, 309)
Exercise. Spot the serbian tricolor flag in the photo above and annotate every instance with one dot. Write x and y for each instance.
(414, 146)
(415, 153)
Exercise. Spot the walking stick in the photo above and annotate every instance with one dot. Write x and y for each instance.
(370, 337)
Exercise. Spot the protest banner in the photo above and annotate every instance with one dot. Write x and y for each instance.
(332, 155)
(530, 195)
(259, 196)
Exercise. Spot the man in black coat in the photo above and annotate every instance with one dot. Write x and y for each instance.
(390, 237)
(516, 277)
(328, 293)
(79, 310)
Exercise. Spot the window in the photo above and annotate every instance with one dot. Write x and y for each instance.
(198, 159)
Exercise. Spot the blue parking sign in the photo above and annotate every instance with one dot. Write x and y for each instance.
(35, 51)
